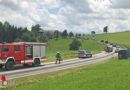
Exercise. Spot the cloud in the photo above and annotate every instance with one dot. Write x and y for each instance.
(82, 6)
(125, 4)
(79, 16)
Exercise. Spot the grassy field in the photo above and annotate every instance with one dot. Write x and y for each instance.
(62, 45)
(122, 38)
(112, 74)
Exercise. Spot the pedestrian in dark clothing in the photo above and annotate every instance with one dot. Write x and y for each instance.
(58, 57)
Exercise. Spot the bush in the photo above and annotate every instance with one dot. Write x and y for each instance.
(75, 45)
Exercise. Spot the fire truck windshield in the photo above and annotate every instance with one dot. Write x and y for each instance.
(5, 48)
(0, 47)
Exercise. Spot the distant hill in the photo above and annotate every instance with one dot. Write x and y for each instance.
(122, 38)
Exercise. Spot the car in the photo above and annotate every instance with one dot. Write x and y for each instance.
(124, 54)
(102, 41)
(106, 42)
(117, 49)
(84, 54)
(114, 45)
(108, 48)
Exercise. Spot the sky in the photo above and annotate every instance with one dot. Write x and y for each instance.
(78, 16)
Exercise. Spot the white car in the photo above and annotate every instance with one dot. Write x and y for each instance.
(117, 49)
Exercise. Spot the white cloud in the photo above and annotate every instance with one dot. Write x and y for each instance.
(121, 4)
(81, 16)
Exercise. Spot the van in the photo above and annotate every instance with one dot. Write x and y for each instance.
(124, 54)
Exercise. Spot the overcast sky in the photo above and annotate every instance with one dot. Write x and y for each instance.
(81, 16)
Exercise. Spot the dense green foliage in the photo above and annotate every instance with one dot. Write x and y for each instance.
(71, 34)
(105, 30)
(10, 33)
(75, 45)
(64, 34)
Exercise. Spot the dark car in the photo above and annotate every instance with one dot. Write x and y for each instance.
(84, 54)
(106, 42)
(124, 54)
(108, 49)
(114, 45)
(102, 41)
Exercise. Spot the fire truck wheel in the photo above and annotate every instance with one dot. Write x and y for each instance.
(9, 65)
(36, 62)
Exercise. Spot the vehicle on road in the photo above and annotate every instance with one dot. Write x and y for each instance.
(106, 42)
(117, 49)
(84, 54)
(124, 54)
(108, 48)
(102, 41)
(22, 53)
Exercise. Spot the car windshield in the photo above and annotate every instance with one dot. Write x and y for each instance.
(122, 52)
(5, 48)
(81, 51)
(87, 52)
(0, 47)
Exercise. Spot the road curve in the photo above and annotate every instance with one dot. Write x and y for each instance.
(51, 66)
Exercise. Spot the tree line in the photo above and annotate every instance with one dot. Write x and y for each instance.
(10, 33)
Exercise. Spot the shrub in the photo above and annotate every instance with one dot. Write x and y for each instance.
(75, 45)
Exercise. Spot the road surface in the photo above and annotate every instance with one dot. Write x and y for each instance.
(51, 66)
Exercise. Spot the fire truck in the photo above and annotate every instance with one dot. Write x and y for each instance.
(24, 53)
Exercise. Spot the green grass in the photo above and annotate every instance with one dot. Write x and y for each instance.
(112, 74)
(122, 38)
(62, 45)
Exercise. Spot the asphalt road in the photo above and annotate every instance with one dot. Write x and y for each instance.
(51, 66)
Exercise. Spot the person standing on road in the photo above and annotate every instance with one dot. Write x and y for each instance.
(58, 57)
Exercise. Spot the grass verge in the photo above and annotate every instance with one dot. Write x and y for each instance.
(62, 45)
(112, 74)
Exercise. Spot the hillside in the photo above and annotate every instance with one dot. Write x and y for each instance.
(122, 38)
(62, 45)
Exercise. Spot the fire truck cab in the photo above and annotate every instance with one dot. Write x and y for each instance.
(22, 53)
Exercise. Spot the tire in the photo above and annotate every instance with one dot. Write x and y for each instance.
(90, 56)
(1, 66)
(36, 63)
(9, 65)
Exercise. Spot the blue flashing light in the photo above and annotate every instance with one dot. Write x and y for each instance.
(3, 42)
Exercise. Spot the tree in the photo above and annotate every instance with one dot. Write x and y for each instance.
(105, 30)
(28, 37)
(93, 35)
(75, 45)
(43, 38)
(56, 34)
(64, 34)
(48, 34)
(36, 28)
(71, 34)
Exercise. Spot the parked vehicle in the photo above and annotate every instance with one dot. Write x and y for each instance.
(106, 42)
(124, 54)
(108, 49)
(114, 45)
(84, 54)
(117, 49)
(22, 53)
(102, 41)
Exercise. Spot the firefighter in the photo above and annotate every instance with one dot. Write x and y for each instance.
(58, 57)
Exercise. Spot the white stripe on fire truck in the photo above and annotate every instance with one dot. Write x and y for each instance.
(26, 61)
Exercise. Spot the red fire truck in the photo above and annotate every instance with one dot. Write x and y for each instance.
(22, 53)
